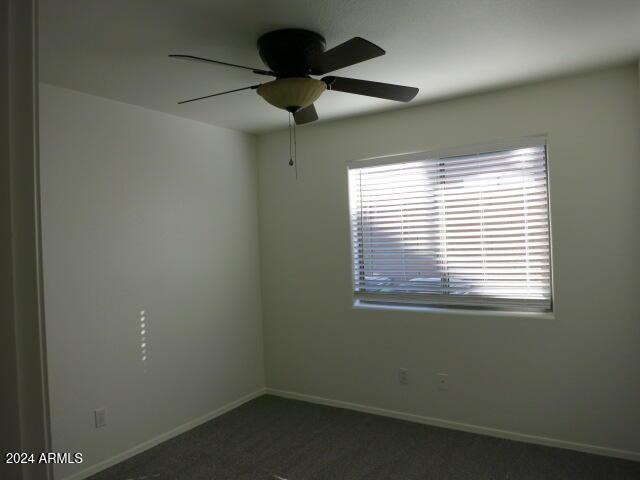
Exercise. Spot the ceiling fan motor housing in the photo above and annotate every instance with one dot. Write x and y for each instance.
(290, 52)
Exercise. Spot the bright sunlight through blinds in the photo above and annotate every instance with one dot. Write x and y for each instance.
(468, 230)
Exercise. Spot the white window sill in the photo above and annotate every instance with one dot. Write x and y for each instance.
(358, 304)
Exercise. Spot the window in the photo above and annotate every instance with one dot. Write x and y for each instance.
(465, 228)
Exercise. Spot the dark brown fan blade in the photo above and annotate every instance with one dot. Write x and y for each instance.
(348, 53)
(388, 91)
(306, 115)
(207, 60)
(221, 93)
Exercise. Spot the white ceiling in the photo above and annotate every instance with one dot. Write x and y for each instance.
(118, 48)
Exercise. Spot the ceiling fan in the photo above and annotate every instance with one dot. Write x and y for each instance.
(293, 56)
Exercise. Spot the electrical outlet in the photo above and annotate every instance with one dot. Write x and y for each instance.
(100, 416)
(443, 381)
(403, 376)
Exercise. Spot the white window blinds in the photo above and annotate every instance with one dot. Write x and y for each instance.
(466, 230)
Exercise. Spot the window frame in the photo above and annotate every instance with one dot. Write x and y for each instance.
(441, 154)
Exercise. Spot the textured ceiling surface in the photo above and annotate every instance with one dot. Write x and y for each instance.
(118, 48)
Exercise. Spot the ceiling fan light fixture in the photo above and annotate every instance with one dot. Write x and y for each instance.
(292, 93)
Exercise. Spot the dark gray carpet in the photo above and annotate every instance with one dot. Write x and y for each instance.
(301, 441)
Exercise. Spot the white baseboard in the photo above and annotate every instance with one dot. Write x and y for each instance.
(438, 422)
(141, 447)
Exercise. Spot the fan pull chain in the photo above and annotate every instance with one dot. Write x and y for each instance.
(290, 155)
(293, 147)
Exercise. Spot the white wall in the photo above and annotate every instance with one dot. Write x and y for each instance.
(575, 378)
(145, 211)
